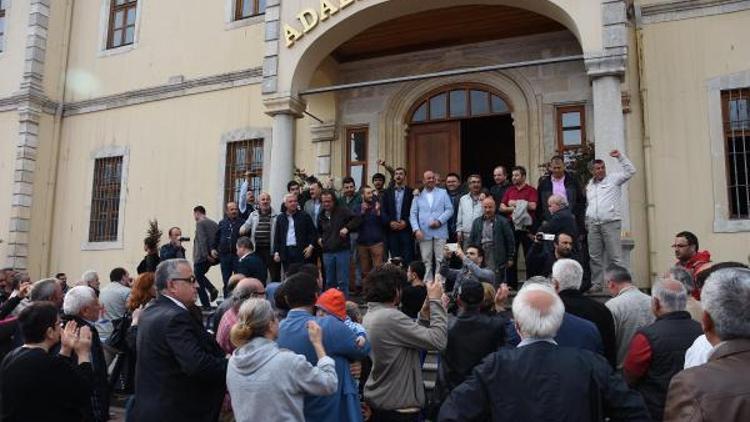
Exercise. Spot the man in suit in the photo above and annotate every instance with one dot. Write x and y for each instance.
(430, 212)
(396, 207)
(180, 371)
(717, 390)
(248, 263)
(295, 236)
(539, 380)
(205, 232)
(568, 274)
(493, 232)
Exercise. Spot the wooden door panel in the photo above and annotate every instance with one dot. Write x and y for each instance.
(434, 146)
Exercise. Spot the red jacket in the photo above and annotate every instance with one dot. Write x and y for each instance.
(695, 265)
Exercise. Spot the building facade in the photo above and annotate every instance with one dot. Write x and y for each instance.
(113, 112)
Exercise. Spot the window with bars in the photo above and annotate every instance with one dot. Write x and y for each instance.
(736, 121)
(2, 24)
(571, 127)
(121, 23)
(356, 155)
(244, 9)
(244, 159)
(105, 199)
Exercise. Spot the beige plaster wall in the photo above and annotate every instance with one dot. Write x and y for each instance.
(678, 58)
(14, 49)
(189, 39)
(175, 162)
(297, 63)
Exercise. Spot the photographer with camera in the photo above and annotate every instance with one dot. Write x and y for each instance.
(174, 248)
(543, 254)
(472, 267)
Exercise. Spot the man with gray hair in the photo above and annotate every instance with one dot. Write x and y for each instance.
(180, 369)
(631, 308)
(561, 219)
(90, 278)
(507, 385)
(683, 276)
(568, 273)
(657, 351)
(81, 305)
(717, 391)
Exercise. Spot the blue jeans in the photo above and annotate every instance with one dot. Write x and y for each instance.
(337, 270)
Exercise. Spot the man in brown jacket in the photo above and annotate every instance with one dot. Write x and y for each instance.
(718, 390)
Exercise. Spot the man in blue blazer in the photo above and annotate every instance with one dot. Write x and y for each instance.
(430, 212)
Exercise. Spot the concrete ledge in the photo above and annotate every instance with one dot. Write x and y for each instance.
(689, 9)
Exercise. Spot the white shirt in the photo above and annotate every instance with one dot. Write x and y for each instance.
(177, 302)
(531, 340)
(603, 197)
(469, 210)
(291, 236)
(430, 195)
(699, 352)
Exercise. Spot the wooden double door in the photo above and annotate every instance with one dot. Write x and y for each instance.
(433, 146)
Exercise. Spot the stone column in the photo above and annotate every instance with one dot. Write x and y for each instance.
(280, 168)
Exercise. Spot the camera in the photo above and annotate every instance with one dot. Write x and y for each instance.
(184, 239)
(544, 236)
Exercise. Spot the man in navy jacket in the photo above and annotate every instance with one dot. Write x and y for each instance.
(396, 207)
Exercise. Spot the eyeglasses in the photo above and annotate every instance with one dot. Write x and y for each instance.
(258, 294)
(190, 279)
(676, 246)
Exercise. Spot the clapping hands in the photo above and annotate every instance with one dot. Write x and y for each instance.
(76, 339)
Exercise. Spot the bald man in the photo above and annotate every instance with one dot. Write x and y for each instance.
(430, 212)
(538, 379)
(657, 351)
(493, 232)
(246, 288)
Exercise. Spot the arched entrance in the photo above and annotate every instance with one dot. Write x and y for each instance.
(463, 128)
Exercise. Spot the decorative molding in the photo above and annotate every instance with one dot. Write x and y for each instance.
(12, 103)
(687, 9)
(323, 132)
(271, 56)
(606, 64)
(714, 86)
(162, 92)
(322, 136)
(285, 104)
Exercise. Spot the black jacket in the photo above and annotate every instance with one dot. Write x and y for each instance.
(576, 199)
(98, 409)
(562, 221)
(225, 241)
(303, 229)
(251, 266)
(669, 337)
(389, 207)
(330, 226)
(502, 236)
(149, 263)
(471, 337)
(180, 372)
(585, 307)
(543, 382)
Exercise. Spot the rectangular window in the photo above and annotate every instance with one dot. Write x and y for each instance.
(247, 8)
(105, 199)
(2, 24)
(121, 23)
(244, 159)
(571, 127)
(356, 155)
(736, 119)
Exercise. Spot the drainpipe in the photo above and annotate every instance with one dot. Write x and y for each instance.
(647, 146)
(57, 134)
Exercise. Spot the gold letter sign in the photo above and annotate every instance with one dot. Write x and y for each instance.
(308, 19)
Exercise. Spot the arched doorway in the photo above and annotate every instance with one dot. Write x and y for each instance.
(464, 128)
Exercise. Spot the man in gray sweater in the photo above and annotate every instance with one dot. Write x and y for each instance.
(394, 390)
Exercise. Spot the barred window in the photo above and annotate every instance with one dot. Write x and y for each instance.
(121, 23)
(2, 24)
(736, 117)
(243, 157)
(247, 8)
(105, 199)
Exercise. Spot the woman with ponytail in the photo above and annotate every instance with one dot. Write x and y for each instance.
(267, 383)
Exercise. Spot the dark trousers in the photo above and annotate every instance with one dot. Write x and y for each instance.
(393, 416)
(200, 269)
(274, 268)
(401, 243)
(295, 255)
(226, 261)
(522, 239)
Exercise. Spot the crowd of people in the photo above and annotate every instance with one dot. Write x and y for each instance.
(435, 269)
